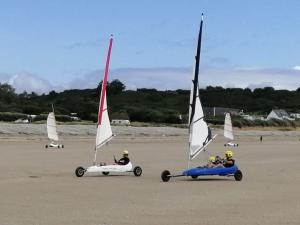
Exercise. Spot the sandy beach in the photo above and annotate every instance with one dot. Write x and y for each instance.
(38, 186)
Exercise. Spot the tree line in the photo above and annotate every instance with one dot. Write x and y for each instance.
(146, 105)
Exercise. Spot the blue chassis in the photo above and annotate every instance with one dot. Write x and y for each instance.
(210, 171)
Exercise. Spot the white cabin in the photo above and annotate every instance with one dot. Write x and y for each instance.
(295, 115)
(279, 114)
(120, 122)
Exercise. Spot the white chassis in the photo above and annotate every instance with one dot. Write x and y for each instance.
(80, 171)
(231, 144)
(53, 145)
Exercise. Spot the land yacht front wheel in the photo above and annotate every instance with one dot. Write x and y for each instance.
(165, 176)
(79, 171)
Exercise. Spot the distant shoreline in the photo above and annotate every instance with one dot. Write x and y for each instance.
(12, 129)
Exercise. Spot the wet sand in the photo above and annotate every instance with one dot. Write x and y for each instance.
(38, 186)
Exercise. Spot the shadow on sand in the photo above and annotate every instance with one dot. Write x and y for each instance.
(229, 179)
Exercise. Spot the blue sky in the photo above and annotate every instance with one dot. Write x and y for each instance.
(62, 44)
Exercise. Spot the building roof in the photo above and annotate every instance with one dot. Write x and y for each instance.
(280, 113)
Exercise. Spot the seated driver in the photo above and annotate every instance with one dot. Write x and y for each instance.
(211, 162)
(124, 160)
(215, 162)
(228, 161)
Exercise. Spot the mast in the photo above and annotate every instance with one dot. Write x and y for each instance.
(195, 88)
(196, 72)
(102, 111)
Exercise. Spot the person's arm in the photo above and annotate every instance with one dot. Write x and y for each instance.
(121, 161)
(228, 162)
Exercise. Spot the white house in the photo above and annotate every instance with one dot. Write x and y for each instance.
(295, 115)
(279, 114)
(120, 122)
(248, 117)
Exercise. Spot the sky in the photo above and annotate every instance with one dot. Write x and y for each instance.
(57, 45)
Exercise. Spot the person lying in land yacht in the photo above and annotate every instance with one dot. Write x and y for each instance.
(211, 162)
(124, 160)
(228, 161)
(218, 162)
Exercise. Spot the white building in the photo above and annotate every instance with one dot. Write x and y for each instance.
(279, 114)
(248, 117)
(295, 115)
(120, 122)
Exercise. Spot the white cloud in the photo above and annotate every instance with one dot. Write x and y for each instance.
(25, 81)
(180, 78)
(160, 78)
(296, 68)
(165, 78)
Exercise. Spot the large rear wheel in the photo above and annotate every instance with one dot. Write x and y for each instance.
(238, 175)
(79, 171)
(105, 173)
(165, 176)
(137, 171)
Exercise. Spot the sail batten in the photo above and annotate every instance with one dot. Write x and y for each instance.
(199, 132)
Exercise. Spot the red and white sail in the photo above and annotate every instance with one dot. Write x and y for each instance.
(104, 132)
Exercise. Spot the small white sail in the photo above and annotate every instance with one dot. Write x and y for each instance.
(51, 127)
(228, 132)
(104, 132)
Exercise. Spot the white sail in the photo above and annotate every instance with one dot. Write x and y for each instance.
(104, 132)
(200, 134)
(51, 127)
(228, 132)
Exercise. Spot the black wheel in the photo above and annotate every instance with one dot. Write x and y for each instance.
(46, 146)
(194, 176)
(165, 176)
(225, 145)
(62, 146)
(137, 171)
(238, 175)
(79, 171)
(105, 173)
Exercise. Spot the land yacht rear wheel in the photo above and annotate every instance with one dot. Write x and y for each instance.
(165, 176)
